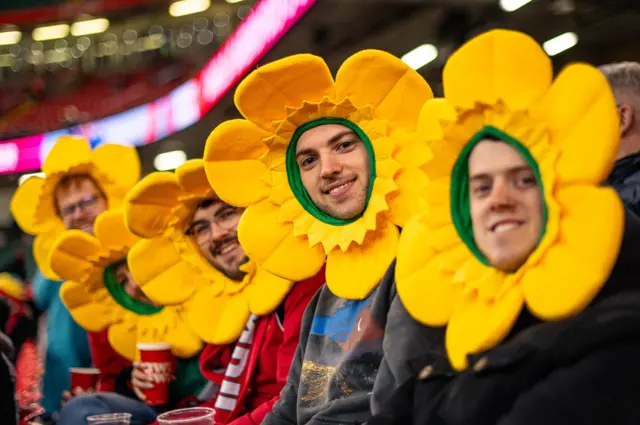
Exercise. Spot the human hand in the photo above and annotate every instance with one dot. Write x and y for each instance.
(140, 380)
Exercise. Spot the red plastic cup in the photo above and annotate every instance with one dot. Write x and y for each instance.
(85, 379)
(190, 416)
(157, 360)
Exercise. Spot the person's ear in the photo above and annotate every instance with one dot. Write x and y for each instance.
(627, 116)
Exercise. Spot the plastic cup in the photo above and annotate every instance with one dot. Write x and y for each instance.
(190, 416)
(85, 379)
(157, 360)
(110, 419)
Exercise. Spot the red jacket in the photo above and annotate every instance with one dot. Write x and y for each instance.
(106, 359)
(260, 360)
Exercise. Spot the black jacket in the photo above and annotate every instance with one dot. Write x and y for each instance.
(8, 407)
(625, 179)
(583, 370)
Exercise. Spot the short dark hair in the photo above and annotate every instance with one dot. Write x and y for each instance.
(207, 203)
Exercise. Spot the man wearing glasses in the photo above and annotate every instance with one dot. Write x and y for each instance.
(179, 215)
(78, 184)
(214, 230)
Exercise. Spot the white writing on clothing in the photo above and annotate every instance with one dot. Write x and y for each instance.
(230, 388)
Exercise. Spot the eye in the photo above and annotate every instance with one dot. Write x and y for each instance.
(347, 145)
(226, 212)
(526, 181)
(481, 189)
(200, 228)
(307, 161)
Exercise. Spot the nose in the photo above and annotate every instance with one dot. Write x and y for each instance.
(330, 166)
(501, 196)
(218, 232)
(78, 213)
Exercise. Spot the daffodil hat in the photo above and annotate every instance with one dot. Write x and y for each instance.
(115, 168)
(12, 287)
(500, 85)
(251, 163)
(97, 301)
(170, 269)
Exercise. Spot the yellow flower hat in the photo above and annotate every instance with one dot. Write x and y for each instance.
(500, 84)
(115, 168)
(170, 269)
(12, 287)
(250, 163)
(97, 301)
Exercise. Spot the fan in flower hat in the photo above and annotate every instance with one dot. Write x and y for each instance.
(114, 168)
(97, 300)
(252, 163)
(170, 268)
(500, 86)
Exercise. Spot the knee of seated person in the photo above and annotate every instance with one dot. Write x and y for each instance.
(78, 408)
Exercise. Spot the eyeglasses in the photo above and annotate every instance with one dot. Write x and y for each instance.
(85, 204)
(225, 218)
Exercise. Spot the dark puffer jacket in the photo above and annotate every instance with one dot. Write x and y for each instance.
(8, 407)
(625, 179)
(583, 370)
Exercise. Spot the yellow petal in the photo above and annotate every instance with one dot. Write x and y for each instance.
(11, 286)
(123, 337)
(497, 65)
(192, 178)
(185, 343)
(432, 116)
(68, 152)
(407, 200)
(267, 292)
(89, 315)
(581, 115)
(476, 326)
(232, 162)
(70, 254)
(265, 93)
(233, 318)
(127, 173)
(426, 291)
(111, 231)
(205, 311)
(42, 246)
(24, 204)
(272, 245)
(149, 205)
(355, 273)
(576, 267)
(160, 271)
(378, 79)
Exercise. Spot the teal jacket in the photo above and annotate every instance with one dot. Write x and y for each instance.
(67, 344)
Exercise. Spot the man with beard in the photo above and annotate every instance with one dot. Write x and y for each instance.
(249, 318)
(78, 185)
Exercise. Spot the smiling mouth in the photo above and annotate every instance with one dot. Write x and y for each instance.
(339, 188)
(505, 226)
(226, 248)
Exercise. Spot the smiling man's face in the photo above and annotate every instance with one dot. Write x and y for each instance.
(506, 204)
(214, 229)
(334, 169)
